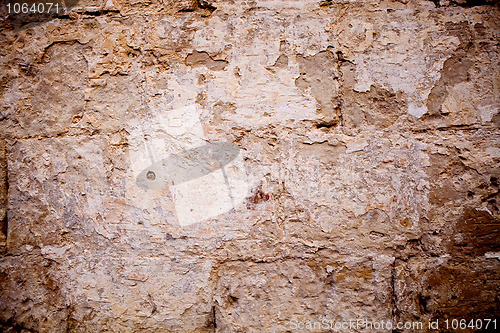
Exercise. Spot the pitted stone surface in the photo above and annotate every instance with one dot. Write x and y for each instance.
(364, 183)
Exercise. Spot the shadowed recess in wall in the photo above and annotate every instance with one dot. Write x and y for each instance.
(204, 59)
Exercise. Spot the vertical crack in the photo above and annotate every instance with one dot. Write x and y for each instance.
(393, 293)
(340, 61)
(214, 319)
(4, 188)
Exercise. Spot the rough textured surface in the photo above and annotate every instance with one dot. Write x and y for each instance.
(369, 143)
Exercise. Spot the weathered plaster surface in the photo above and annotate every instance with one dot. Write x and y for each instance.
(366, 184)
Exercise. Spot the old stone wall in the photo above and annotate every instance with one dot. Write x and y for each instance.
(249, 166)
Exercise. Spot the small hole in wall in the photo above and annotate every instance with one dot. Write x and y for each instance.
(151, 175)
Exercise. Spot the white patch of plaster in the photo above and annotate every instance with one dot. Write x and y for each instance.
(416, 111)
(492, 255)
(356, 146)
(493, 152)
(487, 112)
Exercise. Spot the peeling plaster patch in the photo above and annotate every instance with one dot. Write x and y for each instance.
(493, 152)
(403, 68)
(204, 59)
(487, 112)
(319, 76)
(416, 111)
(356, 146)
(454, 71)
